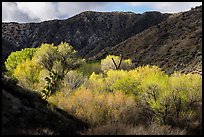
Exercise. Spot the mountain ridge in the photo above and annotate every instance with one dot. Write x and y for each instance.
(174, 44)
(145, 38)
(82, 31)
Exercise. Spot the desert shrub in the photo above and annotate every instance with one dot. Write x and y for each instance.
(153, 92)
(107, 63)
(111, 76)
(137, 79)
(93, 107)
(73, 80)
(191, 84)
(120, 80)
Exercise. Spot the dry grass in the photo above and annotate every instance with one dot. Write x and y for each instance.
(127, 129)
(93, 107)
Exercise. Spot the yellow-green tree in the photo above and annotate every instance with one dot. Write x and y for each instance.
(27, 74)
(18, 57)
(58, 60)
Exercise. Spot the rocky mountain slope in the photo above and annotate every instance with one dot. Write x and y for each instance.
(174, 44)
(88, 32)
(25, 113)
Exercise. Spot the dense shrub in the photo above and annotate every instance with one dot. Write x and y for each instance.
(172, 99)
(88, 68)
(186, 95)
(93, 107)
(28, 63)
(111, 76)
(72, 81)
(97, 83)
(111, 81)
(128, 82)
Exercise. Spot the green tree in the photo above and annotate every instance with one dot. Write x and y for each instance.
(171, 99)
(58, 60)
(27, 74)
(18, 57)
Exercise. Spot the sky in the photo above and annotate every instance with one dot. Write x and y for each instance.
(24, 12)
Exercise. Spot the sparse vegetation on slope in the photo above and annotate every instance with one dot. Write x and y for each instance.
(174, 44)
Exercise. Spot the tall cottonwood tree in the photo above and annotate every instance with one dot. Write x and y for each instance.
(58, 60)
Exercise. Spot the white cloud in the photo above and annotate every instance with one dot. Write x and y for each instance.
(11, 13)
(168, 7)
(41, 11)
(38, 10)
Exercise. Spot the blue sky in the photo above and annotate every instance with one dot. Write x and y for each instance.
(124, 6)
(41, 11)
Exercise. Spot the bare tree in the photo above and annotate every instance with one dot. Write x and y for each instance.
(117, 66)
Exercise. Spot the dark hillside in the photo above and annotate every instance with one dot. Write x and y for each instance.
(88, 32)
(25, 113)
(174, 44)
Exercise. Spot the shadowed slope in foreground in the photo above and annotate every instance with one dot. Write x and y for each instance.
(24, 112)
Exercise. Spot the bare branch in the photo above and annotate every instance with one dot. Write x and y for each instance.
(120, 62)
(114, 64)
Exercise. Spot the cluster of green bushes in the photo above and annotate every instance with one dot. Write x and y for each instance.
(42, 69)
(98, 93)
